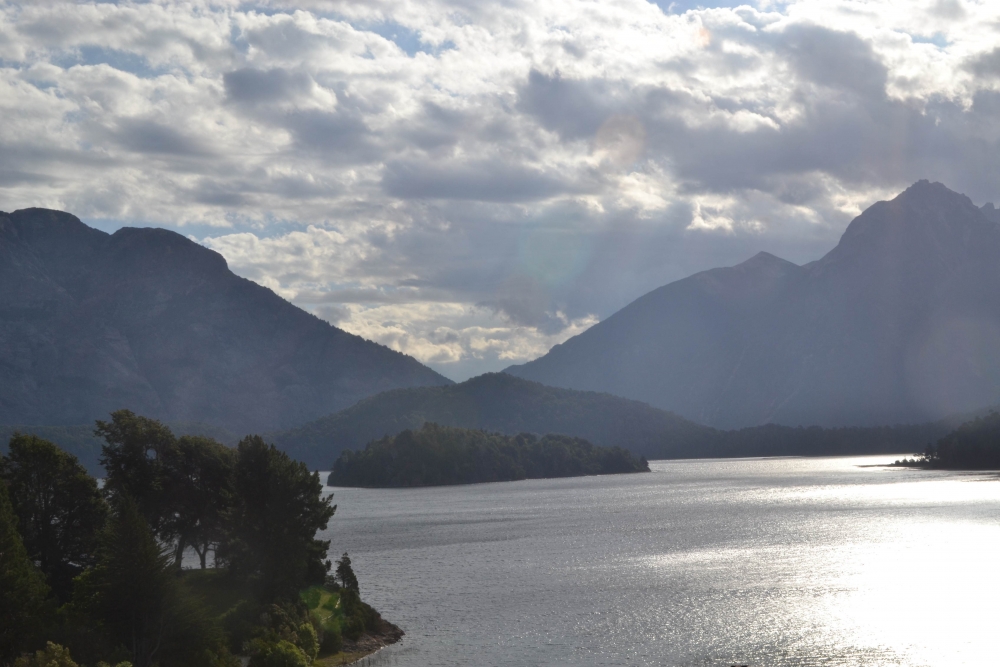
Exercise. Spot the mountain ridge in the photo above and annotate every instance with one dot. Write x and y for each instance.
(147, 319)
(896, 324)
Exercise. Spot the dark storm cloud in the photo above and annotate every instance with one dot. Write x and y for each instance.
(252, 86)
(481, 180)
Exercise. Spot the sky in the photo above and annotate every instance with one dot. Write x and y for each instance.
(473, 182)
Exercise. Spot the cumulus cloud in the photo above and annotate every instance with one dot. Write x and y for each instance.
(474, 182)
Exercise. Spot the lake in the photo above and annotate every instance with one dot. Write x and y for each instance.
(792, 561)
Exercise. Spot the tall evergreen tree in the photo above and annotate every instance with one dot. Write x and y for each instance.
(277, 510)
(22, 587)
(59, 508)
(345, 573)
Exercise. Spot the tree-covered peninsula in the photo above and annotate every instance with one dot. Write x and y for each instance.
(438, 455)
(974, 445)
(95, 575)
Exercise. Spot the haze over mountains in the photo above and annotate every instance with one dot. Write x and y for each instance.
(147, 320)
(898, 323)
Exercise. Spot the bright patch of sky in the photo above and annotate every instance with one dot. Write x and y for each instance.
(472, 183)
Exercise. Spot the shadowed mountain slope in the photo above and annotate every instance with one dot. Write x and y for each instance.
(146, 319)
(502, 403)
(495, 402)
(899, 323)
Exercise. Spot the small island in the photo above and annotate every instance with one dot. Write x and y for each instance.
(440, 455)
(975, 445)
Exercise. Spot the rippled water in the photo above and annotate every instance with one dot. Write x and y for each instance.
(709, 562)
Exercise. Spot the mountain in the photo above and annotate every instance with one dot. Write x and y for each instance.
(899, 323)
(503, 403)
(146, 319)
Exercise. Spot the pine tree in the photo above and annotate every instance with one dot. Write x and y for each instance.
(345, 573)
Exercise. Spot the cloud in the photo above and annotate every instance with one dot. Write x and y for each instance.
(142, 135)
(471, 182)
(480, 180)
(252, 86)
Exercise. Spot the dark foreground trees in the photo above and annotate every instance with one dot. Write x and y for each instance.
(58, 506)
(109, 588)
(142, 604)
(271, 539)
(974, 445)
(22, 588)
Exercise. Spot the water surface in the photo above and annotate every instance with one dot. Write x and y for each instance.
(708, 562)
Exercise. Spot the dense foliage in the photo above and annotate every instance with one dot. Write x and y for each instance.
(58, 506)
(974, 445)
(142, 603)
(22, 587)
(93, 577)
(271, 533)
(81, 441)
(436, 455)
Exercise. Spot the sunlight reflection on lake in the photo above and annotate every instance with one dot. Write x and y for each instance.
(710, 562)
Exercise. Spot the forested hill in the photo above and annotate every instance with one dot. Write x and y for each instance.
(503, 403)
(439, 455)
(148, 320)
(974, 445)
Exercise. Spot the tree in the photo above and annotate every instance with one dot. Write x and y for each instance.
(198, 474)
(22, 587)
(279, 654)
(277, 510)
(345, 573)
(59, 508)
(134, 460)
(53, 655)
(136, 595)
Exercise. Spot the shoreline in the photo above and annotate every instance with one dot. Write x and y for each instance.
(367, 645)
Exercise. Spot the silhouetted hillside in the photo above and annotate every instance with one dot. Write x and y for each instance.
(975, 445)
(495, 402)
(900, 323)
(146, 319)
(503, 403)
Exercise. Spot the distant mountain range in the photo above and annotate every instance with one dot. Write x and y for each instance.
(506, 404)
(900, 323)
(147, 320)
